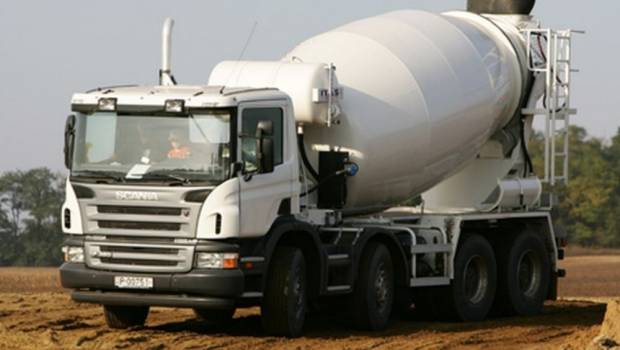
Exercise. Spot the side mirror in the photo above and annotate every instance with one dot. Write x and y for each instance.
(69, 140)
(264, 146)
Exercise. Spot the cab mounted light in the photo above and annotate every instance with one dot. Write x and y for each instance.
(175, 106)
(107, 104)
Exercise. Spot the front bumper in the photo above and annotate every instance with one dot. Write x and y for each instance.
(198, 288)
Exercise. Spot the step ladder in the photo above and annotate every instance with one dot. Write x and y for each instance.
(549, 54)
(340, 261)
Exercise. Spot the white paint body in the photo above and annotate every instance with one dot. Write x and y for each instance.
(422, 94)
(299, 80)
(72, 204)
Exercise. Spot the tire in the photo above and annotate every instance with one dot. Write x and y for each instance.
(524, 276)
(283, 311)
(373, 295)
(470, 296)
(215, 317)
(123, 317)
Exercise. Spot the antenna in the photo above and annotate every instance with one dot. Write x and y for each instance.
(241, 55)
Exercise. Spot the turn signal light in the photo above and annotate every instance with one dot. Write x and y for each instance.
(230, 262)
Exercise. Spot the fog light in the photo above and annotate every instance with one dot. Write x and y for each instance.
(217, 260)
(175, 106)
(74, 254)
(107, 104)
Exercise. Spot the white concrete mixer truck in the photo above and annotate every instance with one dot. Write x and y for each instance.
(383, 164)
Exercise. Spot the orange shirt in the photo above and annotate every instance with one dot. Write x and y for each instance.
(179, 153)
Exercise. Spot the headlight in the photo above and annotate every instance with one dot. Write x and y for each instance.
(74, 254)
(217, 260)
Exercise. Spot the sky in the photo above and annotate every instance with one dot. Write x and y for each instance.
(51, 49)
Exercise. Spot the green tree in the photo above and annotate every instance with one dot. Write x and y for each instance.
(587, 203)
(612, 155)
(30, 221)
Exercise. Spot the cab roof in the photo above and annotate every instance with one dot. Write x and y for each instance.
(193, 96)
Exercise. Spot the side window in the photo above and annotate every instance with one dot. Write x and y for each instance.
(250, 119)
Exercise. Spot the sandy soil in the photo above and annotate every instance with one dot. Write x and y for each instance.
(52, 321)
(36, 314)
(592, 276)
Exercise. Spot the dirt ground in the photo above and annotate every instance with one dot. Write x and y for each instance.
(35, 313)
(591, 276)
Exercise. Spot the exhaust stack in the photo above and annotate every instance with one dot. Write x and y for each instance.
(501, 7)
(165, 73)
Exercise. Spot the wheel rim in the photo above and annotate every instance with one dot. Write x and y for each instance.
(381, 287)
(476, 279)
(529, 273)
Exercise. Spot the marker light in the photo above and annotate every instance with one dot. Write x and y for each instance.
(107, 104)
(175, 106)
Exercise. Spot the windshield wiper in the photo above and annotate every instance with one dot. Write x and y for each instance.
(99, 174)
(161, 175)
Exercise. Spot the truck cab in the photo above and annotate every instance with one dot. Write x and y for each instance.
(159, 176)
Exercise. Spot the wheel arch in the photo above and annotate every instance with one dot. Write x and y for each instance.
(292, 233)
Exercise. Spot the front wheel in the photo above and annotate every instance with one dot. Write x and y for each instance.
(475, 280)
(123, 317)
(283, 311)
(373, 296)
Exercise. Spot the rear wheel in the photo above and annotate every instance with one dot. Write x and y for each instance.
(475, 280)
(215, 317)
(283, 311)
(373, 296)
(525, 276)
(122, 317)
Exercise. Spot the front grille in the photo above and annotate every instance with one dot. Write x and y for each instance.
(135, 225)
(169, 217)
(138, 250)
(129, 262)
(143, 240)
(115, 209)
(138, 256)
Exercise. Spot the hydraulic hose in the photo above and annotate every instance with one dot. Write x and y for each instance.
(304, 157)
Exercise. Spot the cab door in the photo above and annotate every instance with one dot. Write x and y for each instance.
(262, 194)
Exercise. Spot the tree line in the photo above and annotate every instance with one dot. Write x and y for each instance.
(30, 232)
(589, 207)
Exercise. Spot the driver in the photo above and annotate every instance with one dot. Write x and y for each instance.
(179, 149)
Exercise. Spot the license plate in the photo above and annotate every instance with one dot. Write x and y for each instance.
(127, 282)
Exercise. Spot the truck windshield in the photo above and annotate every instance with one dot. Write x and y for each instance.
(151, 148)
